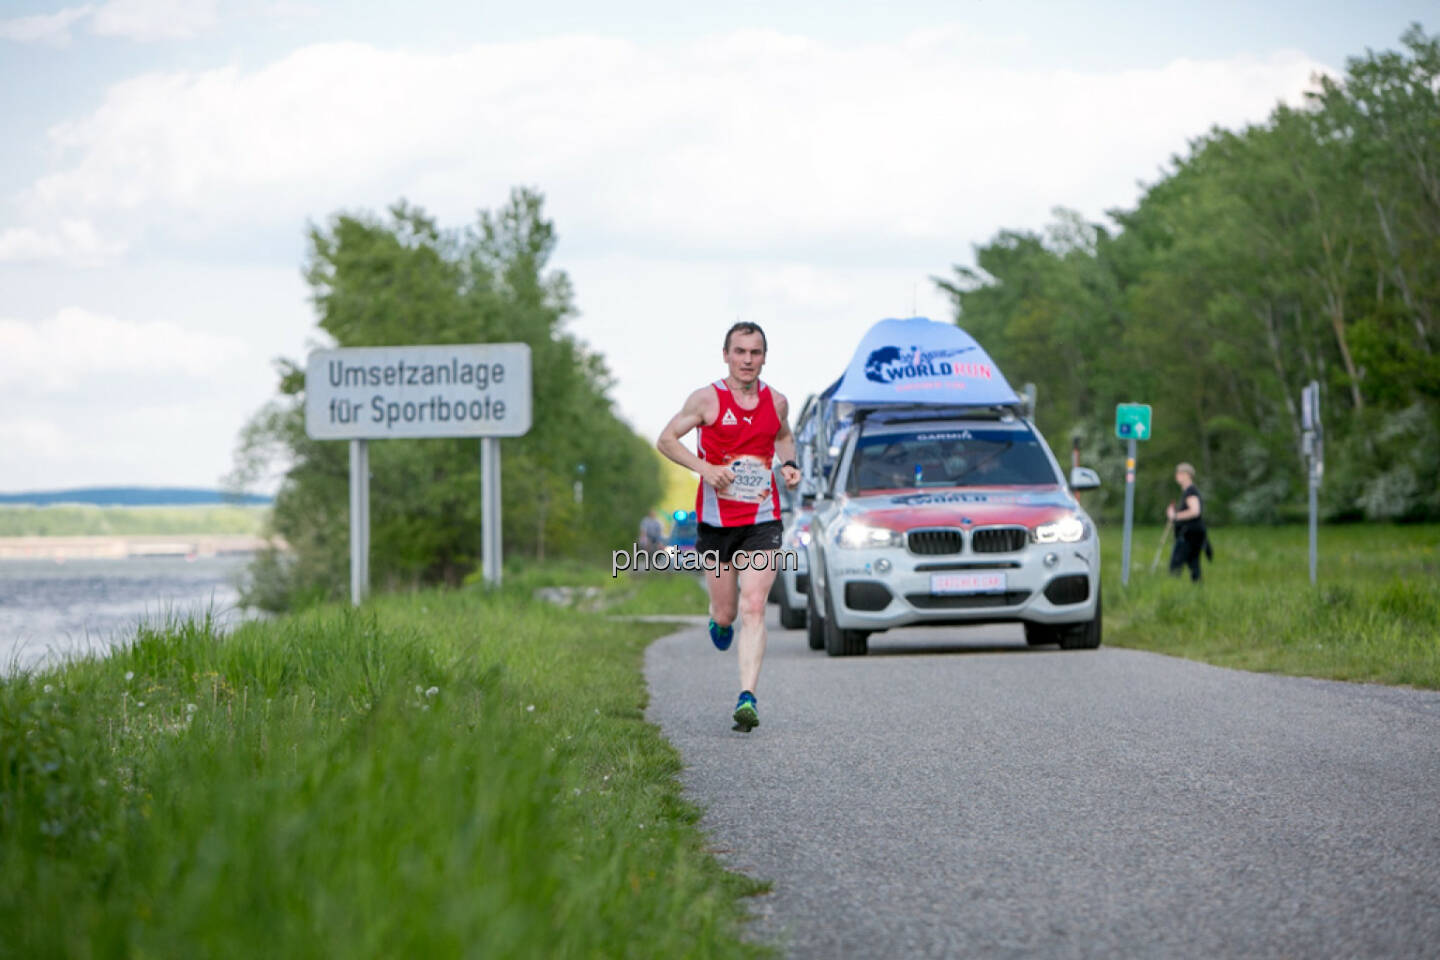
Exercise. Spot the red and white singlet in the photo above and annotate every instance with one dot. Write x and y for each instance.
(744, 441)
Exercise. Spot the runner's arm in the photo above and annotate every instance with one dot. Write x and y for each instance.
(785, 442)
(697, 411)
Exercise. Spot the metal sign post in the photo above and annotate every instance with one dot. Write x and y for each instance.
(490, 510)
(431, 390)
(1314, 450)
(1129, 510)
(1132, 422)
(359, 522)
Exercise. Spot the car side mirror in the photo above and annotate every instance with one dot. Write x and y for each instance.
(1083, 478)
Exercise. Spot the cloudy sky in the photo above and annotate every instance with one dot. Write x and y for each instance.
(782, 163)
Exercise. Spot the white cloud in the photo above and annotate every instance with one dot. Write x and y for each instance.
(73, 240)
(65, 351)
(140, 20)
(180, 443)
(147, 20)
(751, 142)
(810, 187)
(32, 438)
(52, 29)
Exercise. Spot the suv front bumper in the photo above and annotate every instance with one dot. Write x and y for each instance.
(882, 589)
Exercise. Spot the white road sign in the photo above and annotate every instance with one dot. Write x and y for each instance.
(447, 390)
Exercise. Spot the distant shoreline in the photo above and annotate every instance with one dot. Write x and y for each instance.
(126, 547)
(135, 497)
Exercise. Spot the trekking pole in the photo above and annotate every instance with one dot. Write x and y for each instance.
(1170, 522)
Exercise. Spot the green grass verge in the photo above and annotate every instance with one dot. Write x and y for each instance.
(1374, 614)
(651, 593)
(79, 520)
(441, 774)
(659, 593)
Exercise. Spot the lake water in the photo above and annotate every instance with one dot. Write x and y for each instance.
(50, 610)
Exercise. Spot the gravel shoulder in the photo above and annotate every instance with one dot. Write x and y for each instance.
(957, 793)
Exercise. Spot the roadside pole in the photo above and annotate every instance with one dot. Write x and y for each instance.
(1129, 510)
(359, 522)
(1314, 450)
(1132, 422)
(490, 509)
(1314, 522)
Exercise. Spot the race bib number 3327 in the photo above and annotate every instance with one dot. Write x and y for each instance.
(752, 480)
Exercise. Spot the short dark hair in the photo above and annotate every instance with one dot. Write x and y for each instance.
(746, 326)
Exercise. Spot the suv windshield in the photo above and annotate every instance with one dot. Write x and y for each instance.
(949, 458)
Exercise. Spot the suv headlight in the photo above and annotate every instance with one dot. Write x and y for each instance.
(1064, 530)
(862, 536)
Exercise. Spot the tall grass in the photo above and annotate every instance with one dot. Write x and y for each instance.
(442, 774)
(1374, 614)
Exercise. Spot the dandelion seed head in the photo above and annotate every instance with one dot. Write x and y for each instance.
(577, 791)
(139, 703)
(129, 674)
(530, 709)
(419, 689)
(49, 688)
(191, 708)
(432, 691)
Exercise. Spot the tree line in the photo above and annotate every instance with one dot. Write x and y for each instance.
(1306, 247)
(404, 280)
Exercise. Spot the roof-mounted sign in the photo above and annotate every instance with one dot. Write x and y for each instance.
(922, 361)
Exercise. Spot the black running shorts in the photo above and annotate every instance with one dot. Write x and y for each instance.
(725, 541)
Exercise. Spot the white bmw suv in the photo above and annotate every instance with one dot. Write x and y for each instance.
(933, 520)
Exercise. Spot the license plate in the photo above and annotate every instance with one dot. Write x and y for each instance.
(967, 583)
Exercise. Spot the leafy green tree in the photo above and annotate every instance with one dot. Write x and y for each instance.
(403, 280)
(1303, 248)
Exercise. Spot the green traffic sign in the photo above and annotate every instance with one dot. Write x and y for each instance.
(1132, 421)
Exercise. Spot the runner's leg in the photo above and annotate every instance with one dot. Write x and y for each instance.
(724, 594)
(754, 591)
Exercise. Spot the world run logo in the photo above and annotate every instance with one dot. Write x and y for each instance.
(894, 364)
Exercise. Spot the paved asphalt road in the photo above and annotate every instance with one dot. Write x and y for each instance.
(956, 794)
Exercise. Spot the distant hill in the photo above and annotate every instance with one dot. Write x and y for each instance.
(134, 497)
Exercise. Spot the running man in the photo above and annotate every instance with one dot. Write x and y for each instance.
(743, 424)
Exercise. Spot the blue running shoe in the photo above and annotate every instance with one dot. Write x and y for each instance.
(746, 717)
(721, 636)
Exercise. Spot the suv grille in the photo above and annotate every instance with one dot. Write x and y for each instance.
(998, 539)
(931, 543)
(967, 601)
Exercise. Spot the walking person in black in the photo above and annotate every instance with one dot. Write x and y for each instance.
(1191, 538)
